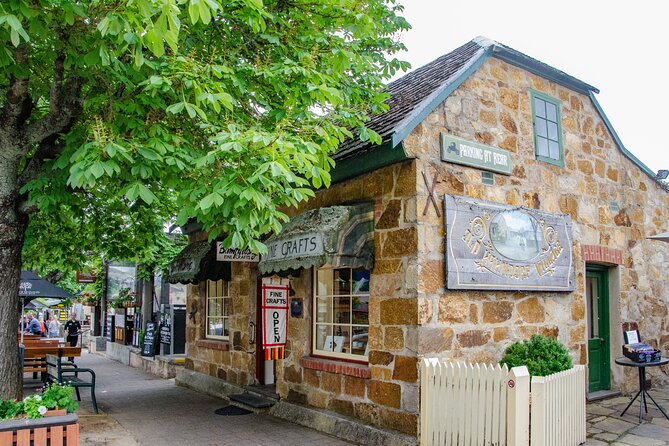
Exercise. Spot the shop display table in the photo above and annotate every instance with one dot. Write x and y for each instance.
(643, 404)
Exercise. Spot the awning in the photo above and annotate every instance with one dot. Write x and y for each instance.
(664, 237)
(338, 236)
(31, 286)
(197, 262)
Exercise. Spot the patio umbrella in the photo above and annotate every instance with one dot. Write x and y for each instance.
(32, 286)
(664, 237)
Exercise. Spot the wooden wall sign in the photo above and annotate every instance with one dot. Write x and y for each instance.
(474, 154)
(499, 247)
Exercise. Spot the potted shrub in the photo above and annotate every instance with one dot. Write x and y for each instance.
(543, 356)
(89, 299)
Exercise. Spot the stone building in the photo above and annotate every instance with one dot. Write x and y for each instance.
(501, 204)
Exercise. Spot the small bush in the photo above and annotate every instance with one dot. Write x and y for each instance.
(542, 356)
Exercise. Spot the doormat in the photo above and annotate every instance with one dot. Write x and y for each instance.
(231, 410)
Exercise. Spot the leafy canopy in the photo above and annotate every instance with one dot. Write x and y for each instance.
(223, 110)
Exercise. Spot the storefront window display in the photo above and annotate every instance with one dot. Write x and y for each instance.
(218, 309)
(341, 313)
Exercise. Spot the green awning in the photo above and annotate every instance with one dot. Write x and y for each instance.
(197, 262)
(337, 236)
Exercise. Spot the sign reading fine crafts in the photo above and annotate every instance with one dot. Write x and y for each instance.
(275, 319)
(499, 247)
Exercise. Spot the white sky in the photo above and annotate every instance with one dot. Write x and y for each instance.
(614, 47)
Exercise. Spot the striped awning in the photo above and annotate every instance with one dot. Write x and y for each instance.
(337, 236)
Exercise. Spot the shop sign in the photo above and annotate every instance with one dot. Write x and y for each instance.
(275, 314)
(302, 245)
(469, 153)
(85, 277)
(499, 247)
(234, 254)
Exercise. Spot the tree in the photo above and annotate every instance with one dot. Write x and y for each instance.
(230, 107)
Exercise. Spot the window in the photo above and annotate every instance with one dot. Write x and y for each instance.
(341, 313)
(218, 309)
(547, 129)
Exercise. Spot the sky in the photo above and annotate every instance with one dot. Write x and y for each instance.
(620, 50)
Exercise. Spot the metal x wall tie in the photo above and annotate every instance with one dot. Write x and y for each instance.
(430, 196)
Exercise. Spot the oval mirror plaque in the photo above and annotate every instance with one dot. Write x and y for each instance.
(516, 235)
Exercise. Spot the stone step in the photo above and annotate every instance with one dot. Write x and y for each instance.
(251, 402)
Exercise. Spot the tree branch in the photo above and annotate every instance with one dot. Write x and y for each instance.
(18, 104)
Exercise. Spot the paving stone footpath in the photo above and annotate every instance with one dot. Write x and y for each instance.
(138, 409)
(607, 427)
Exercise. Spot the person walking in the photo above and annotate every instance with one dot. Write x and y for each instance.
(54, 327)
(72, 327)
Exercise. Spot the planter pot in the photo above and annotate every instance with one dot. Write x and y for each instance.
(55, 413)
(60, 430)
(129, 304)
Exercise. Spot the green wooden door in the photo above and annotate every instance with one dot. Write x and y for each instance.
(597, 304)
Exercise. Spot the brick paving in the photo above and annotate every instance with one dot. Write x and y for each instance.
(607, 427)
(141, 409)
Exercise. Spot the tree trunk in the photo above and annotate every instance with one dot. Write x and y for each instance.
(12, 231)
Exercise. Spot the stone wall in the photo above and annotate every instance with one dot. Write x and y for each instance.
(384, 392)
(233, 360)
(494, 107)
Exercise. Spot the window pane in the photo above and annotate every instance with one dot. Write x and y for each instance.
(211, 288)
(324, 285)
(342, 339)
(542, 146)
(361, 310)
(323, 334)
(226, 327)
(342, 281)
(214, 307)
(552, 131)
(359, 341)
(540, 107)
(551, 112)
(323, 309)
(215, 327)
(554, 150)
(227, 302)
(541, 127)
(361, 281)
(342, 310)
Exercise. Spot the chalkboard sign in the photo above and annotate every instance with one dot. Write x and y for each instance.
(149, 345)
(166, 332)
(109, 333)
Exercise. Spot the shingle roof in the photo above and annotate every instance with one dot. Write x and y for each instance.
(408, 92)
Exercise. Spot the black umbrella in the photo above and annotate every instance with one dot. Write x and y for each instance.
(32, 286)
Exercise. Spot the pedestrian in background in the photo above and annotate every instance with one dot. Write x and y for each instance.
(72, 327)
(54, 327)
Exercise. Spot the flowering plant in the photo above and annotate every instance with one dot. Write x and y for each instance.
(90, 299)
(53, 396)
(124, 295)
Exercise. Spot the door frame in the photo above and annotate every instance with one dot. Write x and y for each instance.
(601, 272)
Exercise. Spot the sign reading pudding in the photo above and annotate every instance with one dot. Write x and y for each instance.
(469, 153)
(499, 247)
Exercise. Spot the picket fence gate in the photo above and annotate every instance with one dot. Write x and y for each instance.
(484, 405)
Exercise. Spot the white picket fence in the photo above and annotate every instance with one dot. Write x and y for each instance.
(482, 405)
(558, 408)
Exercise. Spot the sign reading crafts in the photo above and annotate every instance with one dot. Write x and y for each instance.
(460, 151)
(296, 246)
(495, 246)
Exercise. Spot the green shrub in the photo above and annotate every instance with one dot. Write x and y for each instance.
(542, 356)
(10, 409)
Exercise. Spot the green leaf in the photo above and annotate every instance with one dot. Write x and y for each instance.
(145, 194)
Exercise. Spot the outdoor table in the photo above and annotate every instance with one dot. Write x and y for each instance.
(35, 355)
(624, 361)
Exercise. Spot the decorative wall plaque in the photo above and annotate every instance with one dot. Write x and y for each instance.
(474, 154)
(499, 247)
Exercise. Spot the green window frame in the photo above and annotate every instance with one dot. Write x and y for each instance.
(547, 121)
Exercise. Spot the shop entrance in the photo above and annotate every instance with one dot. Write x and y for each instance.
(597, 306)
